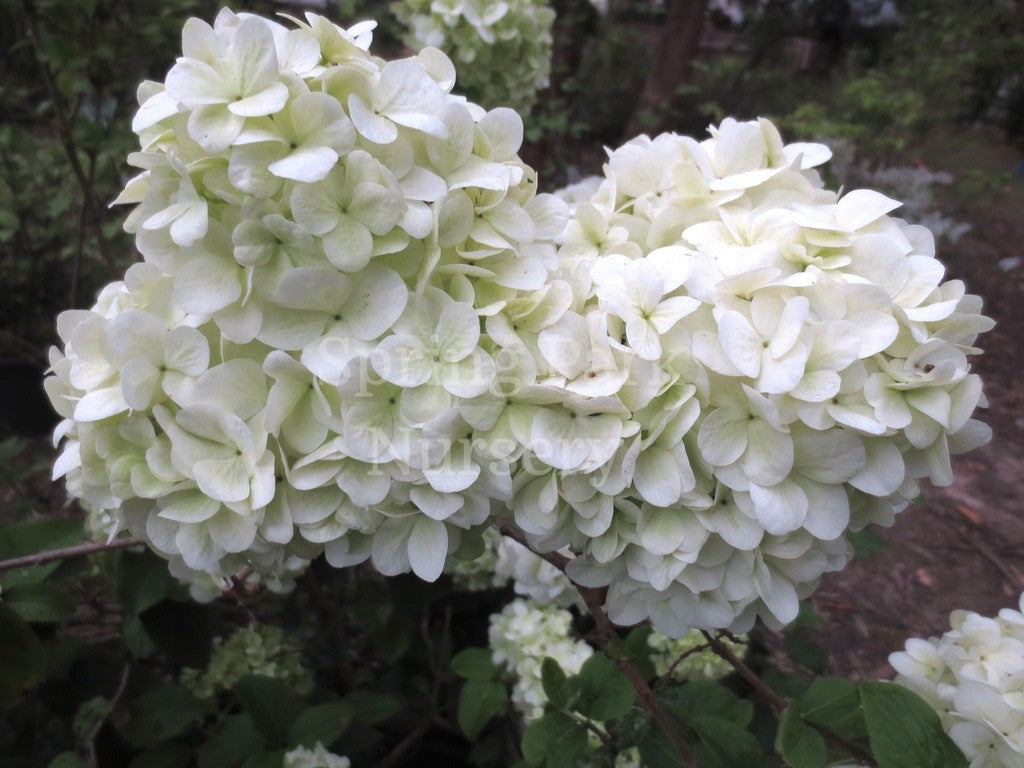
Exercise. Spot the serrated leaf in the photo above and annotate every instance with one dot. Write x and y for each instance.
(904, 731)
(604, 690)
(556, 685)
(479, 701)
(161, 714)
(801, 745)
(237, 738)
(555, 740)
(323, 722)
(474, 664)
(271, 704)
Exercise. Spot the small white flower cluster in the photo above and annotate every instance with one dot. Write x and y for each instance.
(696, 665)
(973, 676)
(501, 48)
(298, 365)
(318, 757)
(521, 636)
(755, 366)
(505, 560)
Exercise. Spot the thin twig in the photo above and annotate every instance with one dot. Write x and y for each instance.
(684, 655)
(591, 726)
(66, 131)
(605, 633)
(90, 741)
(48, 556)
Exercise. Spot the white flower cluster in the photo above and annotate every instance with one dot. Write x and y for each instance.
(318, 757)
(505, 560)
(298, 365)
(973, 676)
(521, 636)
(501, 48)
(679, 657)
(353, 334)
(754, 365)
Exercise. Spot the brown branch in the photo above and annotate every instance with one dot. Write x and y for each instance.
(90, 742)
(48, 556)
(605, 633)
(777, 703)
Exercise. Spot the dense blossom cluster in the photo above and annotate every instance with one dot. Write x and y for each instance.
(521, 636)
(265, 652)
(501, 48)
(759, 365)
(973, 676)
(359, 331)
(317, 757)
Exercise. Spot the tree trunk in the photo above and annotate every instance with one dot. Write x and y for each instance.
(670, 61)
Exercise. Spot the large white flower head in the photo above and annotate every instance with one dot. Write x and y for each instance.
(285, 374)
(751, 366)
(501, 48)
(973, 676)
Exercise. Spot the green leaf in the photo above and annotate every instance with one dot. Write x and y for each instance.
(474, 664)
(21, 656)
(172, 755)
(265, 760)
(640, 651)
(656, 751)
(706, 697)
(45, 603)
(555, 740)
(479, 701)
(801, 745)
(271, 704)
(323, 722)
(866, 543)
(68, 760)
(161, 714)
(604, 690)
(904, 731)
(723, 744)
(372, 708)
(236, 739)
(142, 581)
(557, 687)
(29, 537)
(834, 703)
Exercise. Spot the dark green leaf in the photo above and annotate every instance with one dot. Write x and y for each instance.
(265, 760)
(723, 744)
(801, 745)
(479, 701)
(142, 581)
(904, 731)
(834, 703)
(29, 537)
(236, 739)
(556, 684)
(21, 656)
(555, 740)
(68, 760)
(640, 651)
(474, 664)
(372, 708)
(271, 704)
(161, 714)
(48, 603)
(867, 543)
(323, 722)
(657, 751)
(604, 690)
(173, 755)
(706, 697)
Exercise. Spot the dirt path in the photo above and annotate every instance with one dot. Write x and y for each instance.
(963, 547)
